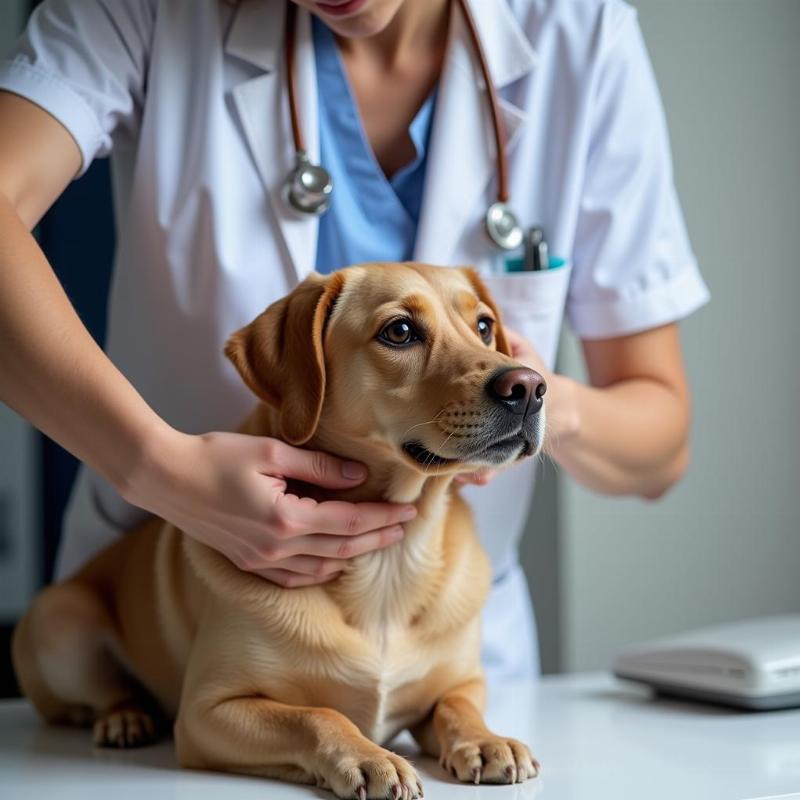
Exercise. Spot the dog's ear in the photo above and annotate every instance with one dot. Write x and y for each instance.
(483, 293)
(279, 354)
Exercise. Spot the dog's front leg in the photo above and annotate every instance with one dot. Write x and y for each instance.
(258, 736)
(455, 732)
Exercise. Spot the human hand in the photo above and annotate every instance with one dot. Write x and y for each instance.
(479, 478)
(560, 408)
(228, 491)
(524, 352)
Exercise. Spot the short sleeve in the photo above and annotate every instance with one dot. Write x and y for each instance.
(85, 63)
(633, 266)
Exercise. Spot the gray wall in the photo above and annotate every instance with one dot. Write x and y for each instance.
(19, 548)
(725, 543)
(13, 14)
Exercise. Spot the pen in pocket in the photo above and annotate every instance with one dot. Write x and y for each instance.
(535, 256)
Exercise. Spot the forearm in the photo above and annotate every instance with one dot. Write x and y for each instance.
(53, 373)
(630, 437)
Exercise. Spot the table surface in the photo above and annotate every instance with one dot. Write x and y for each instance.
(596, 738)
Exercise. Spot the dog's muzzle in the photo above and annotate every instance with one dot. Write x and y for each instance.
(510, 426)
(518, 390)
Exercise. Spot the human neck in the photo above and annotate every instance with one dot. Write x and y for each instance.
(418, 25)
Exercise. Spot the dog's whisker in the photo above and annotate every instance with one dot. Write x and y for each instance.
(420, 424)
(449, 437)
(433, 455)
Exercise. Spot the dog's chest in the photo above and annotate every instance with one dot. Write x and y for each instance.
(389, 692)
(402, 660)
(394, 680)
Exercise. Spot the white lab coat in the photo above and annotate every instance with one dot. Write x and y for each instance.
(189, 98)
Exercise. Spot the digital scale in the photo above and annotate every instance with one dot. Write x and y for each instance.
(753, 664)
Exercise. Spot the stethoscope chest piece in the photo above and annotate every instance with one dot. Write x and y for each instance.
(503, 226)
(309, 186)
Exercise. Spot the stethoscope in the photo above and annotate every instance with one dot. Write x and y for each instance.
(309, 186)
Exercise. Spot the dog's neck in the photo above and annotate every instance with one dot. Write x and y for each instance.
(394, 584)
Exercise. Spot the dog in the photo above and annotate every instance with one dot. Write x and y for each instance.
(406, 368)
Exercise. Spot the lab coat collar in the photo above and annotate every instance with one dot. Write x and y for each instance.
(462, 160)
(256, 36)
(508, 52)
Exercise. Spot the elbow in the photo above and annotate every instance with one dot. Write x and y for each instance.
(668, 476)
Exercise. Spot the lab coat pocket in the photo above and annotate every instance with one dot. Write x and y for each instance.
(532, 303)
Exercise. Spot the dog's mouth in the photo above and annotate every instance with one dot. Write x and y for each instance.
(504, 447)
(426, 458)
(501, 451)
(496, 452)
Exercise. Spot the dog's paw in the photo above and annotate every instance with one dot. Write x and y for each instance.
(490, 759)
(371, 774)
(124, 726)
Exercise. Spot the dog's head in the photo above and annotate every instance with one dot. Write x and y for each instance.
(408, 359)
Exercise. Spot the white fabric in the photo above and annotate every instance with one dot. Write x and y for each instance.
(188, 97)
(509, 646)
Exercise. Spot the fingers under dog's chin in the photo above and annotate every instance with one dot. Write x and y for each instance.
(475, 478)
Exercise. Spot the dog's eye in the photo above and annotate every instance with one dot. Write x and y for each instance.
(399, 332)
(485, 328)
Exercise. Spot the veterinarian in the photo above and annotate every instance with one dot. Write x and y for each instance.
(190, 99)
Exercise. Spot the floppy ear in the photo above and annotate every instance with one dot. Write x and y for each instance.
(482, 292)
(279, 355)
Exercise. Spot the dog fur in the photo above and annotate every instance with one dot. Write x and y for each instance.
(306, 684)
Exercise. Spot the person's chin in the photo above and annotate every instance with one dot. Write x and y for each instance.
(354, 19)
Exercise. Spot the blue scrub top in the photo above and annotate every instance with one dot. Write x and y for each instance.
(371, 217)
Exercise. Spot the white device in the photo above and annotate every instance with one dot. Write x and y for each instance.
(752, 664)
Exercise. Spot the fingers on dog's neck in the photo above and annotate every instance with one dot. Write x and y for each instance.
(407, 485)
(389, 478)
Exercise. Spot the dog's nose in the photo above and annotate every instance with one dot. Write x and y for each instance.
(517, 389)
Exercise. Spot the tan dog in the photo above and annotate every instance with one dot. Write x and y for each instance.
(405, 368)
